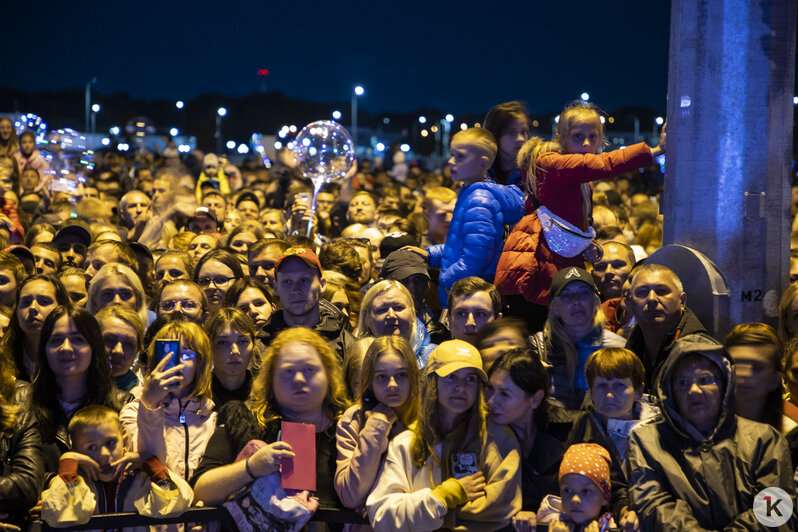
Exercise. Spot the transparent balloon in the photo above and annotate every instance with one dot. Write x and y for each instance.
(256, 141)
(325, 151)
(33, 123)
(66, 152)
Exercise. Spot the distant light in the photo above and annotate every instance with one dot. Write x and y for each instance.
(434, 129)
(557, 119)
(359, 90)
(282, 134)
(463, 126)
(585, 96)
(122, 146)
(602, 119)
(795, 100)
(306, 142)
(231, 144)
(611, 120)
(424, 132)
(114, 131)
(243, 148)
(405, 147)
(336, 115)
(386, 120)
(422, 119)
(96, 107)
(380, 146)
(292, 129)
(290, 145)
(278, 145)
(221, 111)
(535, 123)
(659, 120)
(263, 72)
(450, 118)
(174, 132)
(106, 141)
(476, 124)
(184, 148)
(179, 104)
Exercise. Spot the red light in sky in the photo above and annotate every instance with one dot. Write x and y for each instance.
(263, 72)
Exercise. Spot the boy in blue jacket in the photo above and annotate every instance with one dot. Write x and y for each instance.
(476, 233)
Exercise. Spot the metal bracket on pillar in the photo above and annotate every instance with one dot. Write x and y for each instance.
(754, 205)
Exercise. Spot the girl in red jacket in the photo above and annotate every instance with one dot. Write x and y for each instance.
(559, 197)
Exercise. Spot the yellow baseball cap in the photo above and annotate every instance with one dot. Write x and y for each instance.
(453, 355)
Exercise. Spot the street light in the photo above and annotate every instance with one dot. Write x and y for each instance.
(336, 115)
(179, 104)
(450, 118)
(422, 119)
(220, 112)
(358, 91)
(88, 101)
(94, 110)
(585, 96)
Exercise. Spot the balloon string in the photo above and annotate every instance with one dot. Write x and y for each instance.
(317, 184)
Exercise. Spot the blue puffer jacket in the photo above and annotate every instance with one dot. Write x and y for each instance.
(476, 234)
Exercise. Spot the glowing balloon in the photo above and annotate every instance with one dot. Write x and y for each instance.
(257, 145)
(66, 152)
(324, 151)
(31, 122)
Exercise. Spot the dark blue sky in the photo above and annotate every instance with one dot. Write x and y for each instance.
(458, 56)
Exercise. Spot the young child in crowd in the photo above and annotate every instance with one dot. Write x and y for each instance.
(483, 209)
(615, 377)
(558, 174)
(584, 492)
(453, 469)
(100, 476)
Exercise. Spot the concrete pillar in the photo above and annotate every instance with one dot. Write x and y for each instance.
(730, 89)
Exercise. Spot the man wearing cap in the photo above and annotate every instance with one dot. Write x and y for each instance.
(659, 305)
(573, 332)
(409, 268)
(72, 242)
(299, 284)
(203, 221)
(248, 206)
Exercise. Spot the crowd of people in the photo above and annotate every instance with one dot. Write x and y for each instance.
(478, 347)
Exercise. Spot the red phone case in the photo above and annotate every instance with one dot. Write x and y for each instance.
(299, 473)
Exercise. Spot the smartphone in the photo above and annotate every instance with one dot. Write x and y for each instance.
(304, 198)
(163, 348)
(369, 400)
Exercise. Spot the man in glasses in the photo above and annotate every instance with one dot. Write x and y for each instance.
(183, 297)
(700, 466)
(659, 305)
(299, 285)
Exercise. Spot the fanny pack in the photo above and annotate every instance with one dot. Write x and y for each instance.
(563, 238)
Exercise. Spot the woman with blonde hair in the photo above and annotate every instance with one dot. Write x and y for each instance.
(788, 313)
(299, 381)
(123, 333)
(173, 417)
(573, 331)
(387, 309)
(453, 469)
(118, 284)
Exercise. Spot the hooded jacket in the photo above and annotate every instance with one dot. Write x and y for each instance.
(476, 234)
(689, 324)
(683, 480)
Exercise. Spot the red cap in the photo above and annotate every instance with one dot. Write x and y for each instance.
(307, 255)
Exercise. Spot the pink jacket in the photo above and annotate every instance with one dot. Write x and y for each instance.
(34, 161)
(160, 432)
(360, 453)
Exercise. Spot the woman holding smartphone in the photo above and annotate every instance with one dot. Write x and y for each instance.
(173, 419)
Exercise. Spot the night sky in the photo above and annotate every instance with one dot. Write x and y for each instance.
(455, 56)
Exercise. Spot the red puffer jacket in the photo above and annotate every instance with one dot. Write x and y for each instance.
(527, 265)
